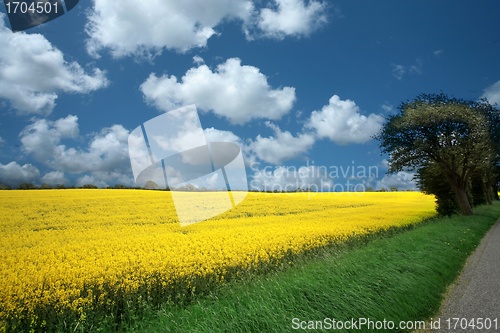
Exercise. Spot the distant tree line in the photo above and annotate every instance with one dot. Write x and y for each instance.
(32, 186)
(153, 186)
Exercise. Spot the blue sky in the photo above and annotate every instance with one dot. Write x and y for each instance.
(295, 83)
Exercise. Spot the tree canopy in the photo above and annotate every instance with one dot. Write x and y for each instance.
(450, 138)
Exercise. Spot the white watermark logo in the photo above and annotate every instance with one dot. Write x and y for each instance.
(313, 178)
(171, 151)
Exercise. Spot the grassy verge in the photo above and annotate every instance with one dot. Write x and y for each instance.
(398, 278)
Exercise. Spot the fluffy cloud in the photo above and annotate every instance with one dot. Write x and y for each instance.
(281, 147)
(492, 93)
(105, 157)
(401, 180)
(292, 17)
(127, 28)
(215, 135)
(106, 178)
(238, 93)
(283, 178)
(342, 122)
(54, 178)
(33, 72)
(13, 174)
(42, 138)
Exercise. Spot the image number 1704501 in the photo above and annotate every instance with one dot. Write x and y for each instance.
(23, 15)
(38, 7)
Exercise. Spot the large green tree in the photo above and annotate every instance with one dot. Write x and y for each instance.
(452, 135)
(492, 173)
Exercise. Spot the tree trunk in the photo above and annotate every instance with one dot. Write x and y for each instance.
(459, 187)
(488, 193)
(463, 201)
(460, 190)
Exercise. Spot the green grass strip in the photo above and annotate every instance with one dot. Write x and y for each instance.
(397, 278)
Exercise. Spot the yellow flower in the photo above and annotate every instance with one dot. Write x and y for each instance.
(75, 251)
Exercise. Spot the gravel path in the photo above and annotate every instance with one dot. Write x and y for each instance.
(476, 294)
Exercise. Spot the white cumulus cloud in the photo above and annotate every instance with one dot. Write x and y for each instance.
(216, 135)
(342, 122)
(13, 174)
(106, 178)
(128, 27)
(42, 138)
(402, 181)
(106, 152)
(281, 147)
(33, 73)
(237, 92)
(292, 18)
(54, 178)
(492, 93)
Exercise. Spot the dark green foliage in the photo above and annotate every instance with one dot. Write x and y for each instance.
(479, 190)
(460, 138)
(491, 175)
(27, 186)
(431, 180)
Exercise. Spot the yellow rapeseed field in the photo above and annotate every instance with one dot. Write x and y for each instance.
(72, 253)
